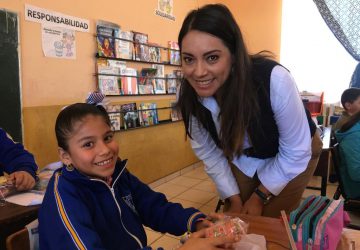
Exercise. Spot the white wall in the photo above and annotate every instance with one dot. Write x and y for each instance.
(312, 53)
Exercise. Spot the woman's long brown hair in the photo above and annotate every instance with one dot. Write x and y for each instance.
(237, 97)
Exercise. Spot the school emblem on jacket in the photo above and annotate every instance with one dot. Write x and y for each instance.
(129, 201)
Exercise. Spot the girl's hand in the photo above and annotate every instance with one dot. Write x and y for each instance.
(254, 205)
(208, 221)
(197, 241)
(22, 180)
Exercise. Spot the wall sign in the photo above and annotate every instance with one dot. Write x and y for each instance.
(44, 16)
(165, 9)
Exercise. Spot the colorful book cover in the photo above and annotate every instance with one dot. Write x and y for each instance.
(115, 121)
(154, 53)
(171, 83)
(117, 66)
(141, 47)
(175, 114)
(130, 118)
(148, 113)
(160, 82)
(174, 53)
(124, 49)
(111, 67)
(105, 46)
(129, 84)
(147, 81)
(108, 85)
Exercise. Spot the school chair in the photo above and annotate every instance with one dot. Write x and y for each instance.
(21, 240)
(18, 240)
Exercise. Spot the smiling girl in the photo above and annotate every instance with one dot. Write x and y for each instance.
(93, 202)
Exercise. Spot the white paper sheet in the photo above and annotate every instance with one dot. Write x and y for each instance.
(26, 199)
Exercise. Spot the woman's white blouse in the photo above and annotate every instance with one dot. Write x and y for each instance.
(294, 142)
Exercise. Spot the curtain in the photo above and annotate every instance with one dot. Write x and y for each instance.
(343, 19)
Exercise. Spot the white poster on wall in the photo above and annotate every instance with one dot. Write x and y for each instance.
(58, 42)
(39, 15)
(165, 9)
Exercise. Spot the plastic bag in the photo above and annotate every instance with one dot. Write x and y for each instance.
(226, 227)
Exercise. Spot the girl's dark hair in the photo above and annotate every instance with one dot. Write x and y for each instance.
(355, 118)
(72, 114)
(236, 97)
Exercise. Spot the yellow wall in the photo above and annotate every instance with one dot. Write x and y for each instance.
(48, 83)
(260, 23)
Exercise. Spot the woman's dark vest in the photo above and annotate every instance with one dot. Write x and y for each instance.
(263, 133)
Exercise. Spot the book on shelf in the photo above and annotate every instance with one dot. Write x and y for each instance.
(129, 83)
(111, 67)
(159, 83)
(105, 46)
(171, 83)
(112, 108)
(154, 53)
(147, 81)
(115, 120)
(175, 114)
(148, 114)
(108, 85)
(140, 46)
(106, 28)
(174, 53)
(105, 41)
(125, 49)
(103, 67)
(129, 113)
(117, 66)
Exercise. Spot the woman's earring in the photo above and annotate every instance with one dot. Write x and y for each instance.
(70, 167)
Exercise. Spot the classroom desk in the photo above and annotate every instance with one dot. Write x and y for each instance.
(14, 218)
(272, 228)
(322, 168)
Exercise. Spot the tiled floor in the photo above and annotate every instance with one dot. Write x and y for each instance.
(193, 188)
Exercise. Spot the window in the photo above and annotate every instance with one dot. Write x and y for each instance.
(311, 52)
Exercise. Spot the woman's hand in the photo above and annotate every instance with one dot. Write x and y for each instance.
(22, 180)
(236, 204)
(254, 205)
(197, 241)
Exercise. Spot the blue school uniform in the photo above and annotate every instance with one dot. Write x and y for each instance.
(83, 213)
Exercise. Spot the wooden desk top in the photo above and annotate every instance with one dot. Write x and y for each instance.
(13, 218)
(10, 212)
(272, 228)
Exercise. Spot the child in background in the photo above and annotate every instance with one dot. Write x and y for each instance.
(348, 137)
(93, 202)
(17, 162)
(350, 100)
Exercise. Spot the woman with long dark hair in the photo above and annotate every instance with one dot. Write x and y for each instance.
(244, 116)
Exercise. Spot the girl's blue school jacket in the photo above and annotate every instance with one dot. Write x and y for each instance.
(82, 213)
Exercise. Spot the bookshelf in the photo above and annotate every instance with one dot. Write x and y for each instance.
(141, 78)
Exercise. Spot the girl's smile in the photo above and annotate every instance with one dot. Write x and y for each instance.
(92, 148)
